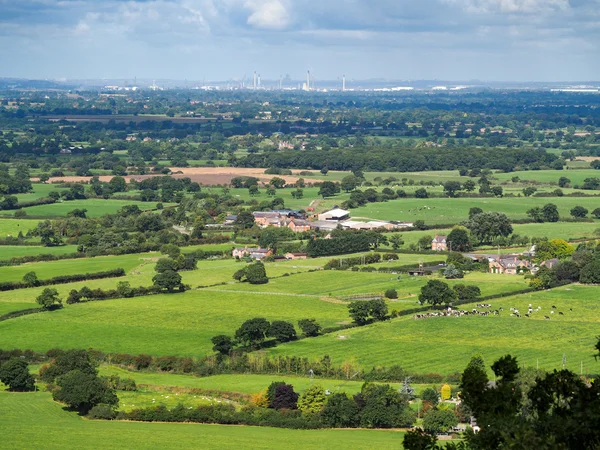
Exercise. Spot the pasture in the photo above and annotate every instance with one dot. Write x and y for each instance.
(40, 190)
(56, 428)
(11, 227)
(445, 345)
(16, 251)
(455, 210)
(95, 207)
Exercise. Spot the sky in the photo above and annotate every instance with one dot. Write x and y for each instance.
(491, 40)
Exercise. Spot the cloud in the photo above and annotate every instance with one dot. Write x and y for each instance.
(220, 38)
(268, 15)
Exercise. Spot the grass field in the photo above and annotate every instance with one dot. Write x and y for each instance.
(95, 207)
(11, 227)
(57, 429)
(15, 251)
(40, 190)
(456, 210)
(445, 345)
(551, 176)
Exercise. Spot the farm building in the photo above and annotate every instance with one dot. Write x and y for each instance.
(254, 253)
(336, 214)
(296, 255)
(509, 264)
(439, 243)
(298, 225)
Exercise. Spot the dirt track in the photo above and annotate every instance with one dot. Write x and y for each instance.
(208, 176)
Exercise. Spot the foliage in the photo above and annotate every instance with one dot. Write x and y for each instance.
(254, 273)
(309, 327)
(15, 374)
(579, 212)
(340, 411)
(391, 293)
(439, 421)
(169, 280)
(485, 227)
(361, 311)
(430, 395)
(102, 412)
(446, 392)
(284, 397)
(222, 344)
(452, 272)
(48, 298)
(82, 391)
(458, 240)
(313, 400)
(282, 331)
(67, 361)
(436, 292)
(253, 332)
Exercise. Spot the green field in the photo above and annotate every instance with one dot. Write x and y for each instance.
(445, 345)
(11, 227)
(33, 420)
(40, 190)
(551, 176)
(95, 207)
(15, 251)
(456, 210)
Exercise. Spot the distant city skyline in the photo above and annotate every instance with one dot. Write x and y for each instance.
(495, 40)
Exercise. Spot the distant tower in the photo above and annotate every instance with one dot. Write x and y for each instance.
(308, 80)
(259, 80)
(343, 83)
(280, 82)
(254, 84)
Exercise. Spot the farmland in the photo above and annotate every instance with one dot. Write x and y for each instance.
(95, 208)
(12, 227)
(19, 411)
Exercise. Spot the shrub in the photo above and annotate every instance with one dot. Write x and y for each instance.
(309, 327)
(282, 331)
(391, 293)
(102, 412)
(142, 362)
(430, 395)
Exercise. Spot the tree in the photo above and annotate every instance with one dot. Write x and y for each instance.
(340, 411)
(253, 332)
(313, 400)
(169, 280)
(48, 298)
(14, 373)
(452, 272)
(244, 220)
(536, 214)
(596, 213)
(198, 228)
(80, 212)
(324, 171)
(446, 392)
(45, 230)
(418, 439)
(424, 242)
(117, 184)
(563, 182)
(277, 182)
(256, 273)
(30, 279)
(298, 194)
(469, 185)
(430, 395)
(82, 391)
(328, 189)
(171, 250)
(451, 188)
(309, 327)
(436, 292)
(378, 309)
(486, 227)
(550, 213)
(497, 191)
(166, 264)
(391, 293)
(66, 361)
(474, 211)
(529, 191)
(284, 397)
(397, 241)
(222, 344)
(350, 182)
(590, 273)
(439, 421)
(253, 190)
(466, 292)
(383, 407)
(555, 248)
(458, 240)
(359, 311)
(579, 212)
(282, 331)
(421, 193)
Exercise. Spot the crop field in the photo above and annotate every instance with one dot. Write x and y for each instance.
(551, 176)
(445, 345)
(95, 207)
(11, 227)
(455, 210)
(55, 428)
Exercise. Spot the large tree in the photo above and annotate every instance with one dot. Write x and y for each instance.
(458, 240)
(487, 226)
(15, 374)
(436, 292)
(82, 391)
(48, 298)
(253, 332)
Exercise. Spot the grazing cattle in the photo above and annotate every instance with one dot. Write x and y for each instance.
(553, 307)
(527, 315)
(551, 312)
(546, 317)
(561, 313)
(571, 309)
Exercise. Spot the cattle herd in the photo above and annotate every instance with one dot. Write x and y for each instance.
(514, 312)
